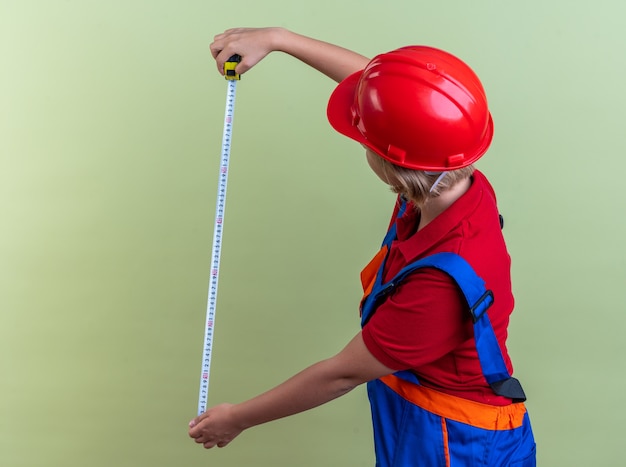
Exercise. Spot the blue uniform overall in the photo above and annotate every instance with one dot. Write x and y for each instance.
(418, 426)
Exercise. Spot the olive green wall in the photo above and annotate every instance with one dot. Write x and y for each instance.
(111, 119)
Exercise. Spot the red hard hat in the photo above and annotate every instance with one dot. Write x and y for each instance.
(418, 107)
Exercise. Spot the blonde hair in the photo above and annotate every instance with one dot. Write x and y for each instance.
(416, 185)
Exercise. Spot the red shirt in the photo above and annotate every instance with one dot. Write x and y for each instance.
(425, 325)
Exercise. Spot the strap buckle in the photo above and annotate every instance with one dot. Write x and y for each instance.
(482, 304)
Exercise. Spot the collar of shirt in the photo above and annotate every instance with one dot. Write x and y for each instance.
(414, 244)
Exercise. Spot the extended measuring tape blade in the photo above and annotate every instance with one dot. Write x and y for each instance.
(220, 205)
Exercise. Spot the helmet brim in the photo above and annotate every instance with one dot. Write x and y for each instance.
(339, 109)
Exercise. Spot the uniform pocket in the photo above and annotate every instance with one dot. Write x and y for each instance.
(529, 461)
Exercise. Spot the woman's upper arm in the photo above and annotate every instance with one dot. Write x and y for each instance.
(356, 364)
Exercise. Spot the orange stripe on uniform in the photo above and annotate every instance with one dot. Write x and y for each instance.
(446, 447)
(368, 274)
(489, 417)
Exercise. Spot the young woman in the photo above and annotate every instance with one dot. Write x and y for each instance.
(437, 296)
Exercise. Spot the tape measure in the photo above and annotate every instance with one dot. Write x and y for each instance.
(232, 77)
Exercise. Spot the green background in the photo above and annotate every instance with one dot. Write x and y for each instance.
(111, 118)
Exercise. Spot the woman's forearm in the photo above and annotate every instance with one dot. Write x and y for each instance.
(316, 385)
(310, 388)
(253, 44)
(334, 61)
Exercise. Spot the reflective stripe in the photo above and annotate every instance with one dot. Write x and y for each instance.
(488, 417)
(368, 274)
(446, 445)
